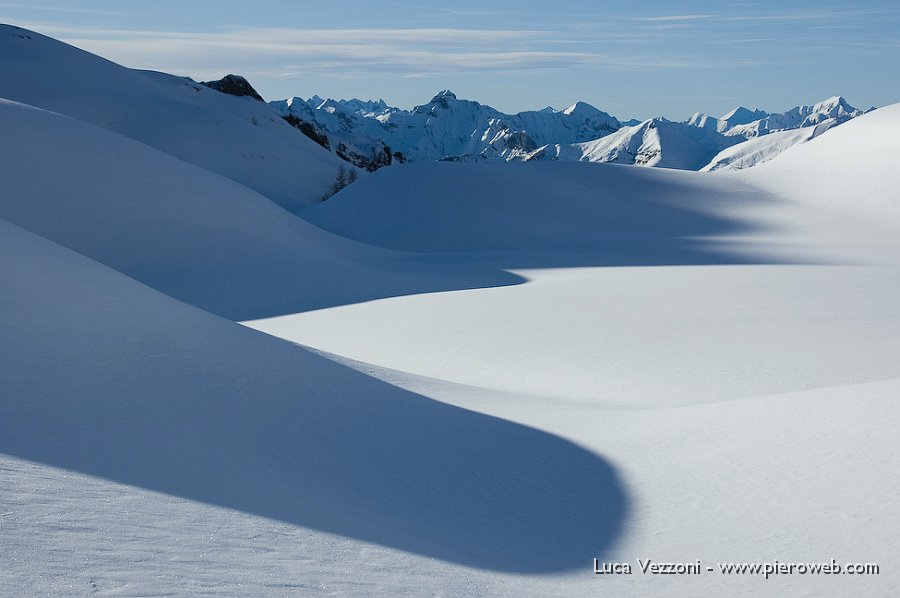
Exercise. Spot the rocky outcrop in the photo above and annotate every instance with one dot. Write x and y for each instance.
(309, 129)
(233, 85)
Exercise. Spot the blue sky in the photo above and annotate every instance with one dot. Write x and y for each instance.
(635, 58)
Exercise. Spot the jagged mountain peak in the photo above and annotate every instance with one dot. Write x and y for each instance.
(705, 121)
(366, 106)
(832, 103)
(295, 100)
(445, 94)
(445, 100)
(696, 117)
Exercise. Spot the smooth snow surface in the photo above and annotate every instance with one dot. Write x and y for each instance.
(106, 377)
(747, 393)
(853, 170)
(498, 373)
(238, 137)
(545, 214)
(186, 231)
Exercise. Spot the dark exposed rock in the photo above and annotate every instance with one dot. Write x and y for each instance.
(379, 157)
(234, 85)
(520, 140)
(309, 129)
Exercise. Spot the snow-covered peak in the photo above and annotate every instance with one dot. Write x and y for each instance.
(742, 116)
(833, 103)
(705, 121)
(835, 108)
(580, 108)
(365, 105)
(446, 100)
(294, 100)
(653, 142)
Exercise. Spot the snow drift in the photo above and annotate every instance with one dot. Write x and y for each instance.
(185, 231)
(104, 376)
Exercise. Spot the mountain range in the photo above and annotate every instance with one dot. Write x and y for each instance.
(372, 134)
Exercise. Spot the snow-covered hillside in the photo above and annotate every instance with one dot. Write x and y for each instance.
(757, 150)
(751, 393)
(240, 138)
(184, 230)
(560, 214)
(656, 142)
(535, 210)
(105, 377)
(853, 170)
(497, 372)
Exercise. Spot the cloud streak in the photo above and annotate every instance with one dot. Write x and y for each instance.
(344, 53)
(669, 18)
(61, 9)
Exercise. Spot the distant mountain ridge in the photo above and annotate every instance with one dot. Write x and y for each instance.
(450, 128)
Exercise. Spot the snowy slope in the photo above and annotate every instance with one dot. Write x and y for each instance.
(749, 401)
(548, 211)
(105, 377)
(240, 138)
(184, 230)
(591, 332)
(655, 142)
(852, 170)
(757, 150)
(692, 367)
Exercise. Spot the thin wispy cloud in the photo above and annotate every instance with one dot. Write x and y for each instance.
(809, 15)
(59, 9)
(347, 53)
(667, 18)
(823, 14)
